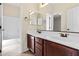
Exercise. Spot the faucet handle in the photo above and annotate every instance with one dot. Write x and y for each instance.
(64, 34)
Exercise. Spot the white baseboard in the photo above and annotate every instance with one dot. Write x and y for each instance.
(25, 50)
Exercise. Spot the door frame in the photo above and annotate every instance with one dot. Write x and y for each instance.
(1, 6)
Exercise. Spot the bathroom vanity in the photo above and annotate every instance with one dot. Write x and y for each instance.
(45, 45)
(59, 36)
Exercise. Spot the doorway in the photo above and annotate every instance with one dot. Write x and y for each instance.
(11, 43)
(57, 23)
(0, 29)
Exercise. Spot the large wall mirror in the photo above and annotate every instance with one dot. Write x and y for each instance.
(56, 21)
(49, 22)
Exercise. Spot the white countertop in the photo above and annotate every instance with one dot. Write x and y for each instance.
(71, 41)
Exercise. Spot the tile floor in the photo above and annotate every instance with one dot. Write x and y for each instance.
(12, 47)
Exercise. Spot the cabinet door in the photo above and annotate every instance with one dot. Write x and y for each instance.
(38, 51)
(31, 44)
(54, 49)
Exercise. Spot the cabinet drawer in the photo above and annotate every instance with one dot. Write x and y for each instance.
(38, 52)
(39, 46)
(39, 40)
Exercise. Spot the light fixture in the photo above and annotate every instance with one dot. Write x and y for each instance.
(31, 13)
(43, 4)
(25, 18)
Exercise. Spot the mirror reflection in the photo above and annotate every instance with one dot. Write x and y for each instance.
(57, 22)
(63, 17)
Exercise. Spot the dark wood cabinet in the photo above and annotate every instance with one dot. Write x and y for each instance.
(42, 47)
(31, 43)
(54, 49)
(38, 46)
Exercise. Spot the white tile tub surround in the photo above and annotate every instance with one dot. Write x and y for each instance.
(72, 40)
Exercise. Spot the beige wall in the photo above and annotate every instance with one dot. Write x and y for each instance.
(26, 24)
(10, 10)
(25, 13)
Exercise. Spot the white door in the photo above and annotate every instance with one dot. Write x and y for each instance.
(73, 19)
(0, 30)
